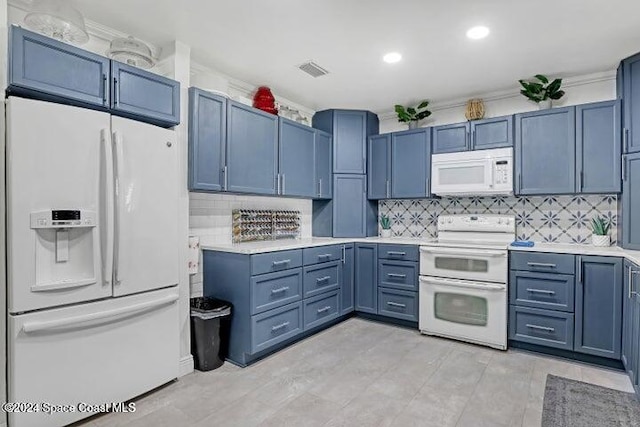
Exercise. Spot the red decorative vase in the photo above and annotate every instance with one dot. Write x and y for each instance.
(264, 100)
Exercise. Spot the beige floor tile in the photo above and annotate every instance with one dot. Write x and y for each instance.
(306, 410)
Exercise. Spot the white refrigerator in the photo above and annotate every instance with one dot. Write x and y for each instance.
(92, 258)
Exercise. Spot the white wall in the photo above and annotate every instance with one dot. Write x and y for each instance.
(579, 90)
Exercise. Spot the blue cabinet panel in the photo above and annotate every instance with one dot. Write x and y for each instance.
(545, 152)
(321, 309)
(627, 315)
(350, 214)
(631, 103)
(275, 326)
(320, 254)
(598, 319)
(542, 327)
(542, 290)
(49, 69)
(598, 144)
(207, 140)
(324, 167)
(411, 163)
(496, 132)
(297, 159)
(379, 167)
(398, 304)
(273, 290)
(275, 261)
(451, 138)
(347, 294)
(252, 148)
(140, 93)
(366, 277)
(630, 203)
(321, 278)
(398, 274)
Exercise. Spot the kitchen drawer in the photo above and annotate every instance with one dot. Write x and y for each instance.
(542, 290)
(275, 261)
(543, 262)
(272, 290)
(321, 278)
(399, 252)
(274, 326)
(321, 309)
(398, 304)
(320, 254)
(398, 274)
(542, 327)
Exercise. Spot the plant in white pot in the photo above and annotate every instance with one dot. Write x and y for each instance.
(600, 228)
(542, 92)
(412, 115)
(385, 225)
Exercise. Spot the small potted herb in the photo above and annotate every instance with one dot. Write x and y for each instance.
(412, 115)
(542, 92)
(385, 225)
(600, 227)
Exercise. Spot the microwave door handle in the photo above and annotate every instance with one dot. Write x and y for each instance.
(492, 167)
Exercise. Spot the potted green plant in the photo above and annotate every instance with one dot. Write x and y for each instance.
(541, 91)
(412, 115)
(600, 227)
(385, 225)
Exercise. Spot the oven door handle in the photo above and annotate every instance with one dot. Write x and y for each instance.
(463, 284)
(476, 253)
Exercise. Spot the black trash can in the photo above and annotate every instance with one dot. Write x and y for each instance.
(210, 318)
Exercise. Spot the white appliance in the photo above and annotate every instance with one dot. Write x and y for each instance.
(463, 279)
(480, 172)
(92, 235)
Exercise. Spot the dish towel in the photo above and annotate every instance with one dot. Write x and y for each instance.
(194, 254)
(523, 243)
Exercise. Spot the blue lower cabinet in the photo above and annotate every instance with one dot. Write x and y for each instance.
(398, 274)
(275, 289)
(275, 326)
(366, 277)
(347, 294)
(399, 252)
(542, 327)
(398, 304)
(321, 278)
(275, 261)
(321, 309)
(542, 290)
(320, 254)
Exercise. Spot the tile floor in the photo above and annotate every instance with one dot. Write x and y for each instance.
(363, 373)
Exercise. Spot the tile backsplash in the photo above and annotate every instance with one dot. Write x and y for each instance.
(554, 219)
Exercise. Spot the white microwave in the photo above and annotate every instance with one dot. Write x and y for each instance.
(472, 173)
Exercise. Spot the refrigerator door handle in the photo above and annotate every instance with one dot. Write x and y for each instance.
(108, 188)
(75, 321)
(118, 169)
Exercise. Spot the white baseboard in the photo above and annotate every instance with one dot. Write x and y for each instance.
(186, 366)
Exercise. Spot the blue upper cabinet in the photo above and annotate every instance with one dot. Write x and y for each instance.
(630, 202)
(545, 152)
(411, 163)
(349, 205)
(139, 93)
(379, 167)
(297, 159)
(451, 138)
(598, 316)
(324, 169)
(350, 130)
(48, 69)
(496, 132)
(207, 140)
(252, 150)
(598, 145)
(631, 95)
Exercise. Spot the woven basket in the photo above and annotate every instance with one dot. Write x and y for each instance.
(475, 109)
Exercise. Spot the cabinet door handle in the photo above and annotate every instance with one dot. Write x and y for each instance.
(396, 304)
(580, 180)
(428, 183)
(630, 283)
(323, 309)
(323, 279)
(397, 276)
(625, 138)
(104, 89)
(115, 91)
(541, 328)
(344, 255)
(324, 256)
(320, 187)
(280, 326)
(624, 167)
(396, 253)
(388, 190)
(225, 181)
(541, 291)
(284, 261)
(541, 264)
(579, 269)
(280, 290)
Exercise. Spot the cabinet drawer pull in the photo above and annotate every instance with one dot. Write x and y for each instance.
(541, 328)
(397, 276)
(541, 291)
(541, 264)
(323, 279)
(280, 326)
(396, 304)
(324, 256)
(280, 290)
(396, 253)
(324, 309)
(283, 262)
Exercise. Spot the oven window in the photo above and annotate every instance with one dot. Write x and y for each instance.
(462, 264)
(459, 308)
(461, 175)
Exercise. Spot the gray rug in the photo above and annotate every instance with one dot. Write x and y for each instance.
(569, 403)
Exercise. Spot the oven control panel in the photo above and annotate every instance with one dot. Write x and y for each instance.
(488, 223)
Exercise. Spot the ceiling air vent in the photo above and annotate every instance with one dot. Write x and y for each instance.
(313, 69)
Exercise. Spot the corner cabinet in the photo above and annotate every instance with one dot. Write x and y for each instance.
(347, 296)
(296, 150)
(366, 277)
(353, 216)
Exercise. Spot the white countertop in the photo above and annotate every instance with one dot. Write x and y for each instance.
(281, 245)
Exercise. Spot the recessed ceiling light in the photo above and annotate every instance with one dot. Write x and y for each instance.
(392, 57)
(478, 32)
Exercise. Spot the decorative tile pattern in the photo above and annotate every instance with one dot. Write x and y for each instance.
(557, 219)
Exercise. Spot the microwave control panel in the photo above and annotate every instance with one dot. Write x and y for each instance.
(502, 172)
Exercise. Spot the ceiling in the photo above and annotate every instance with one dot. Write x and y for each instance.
(263, 41)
